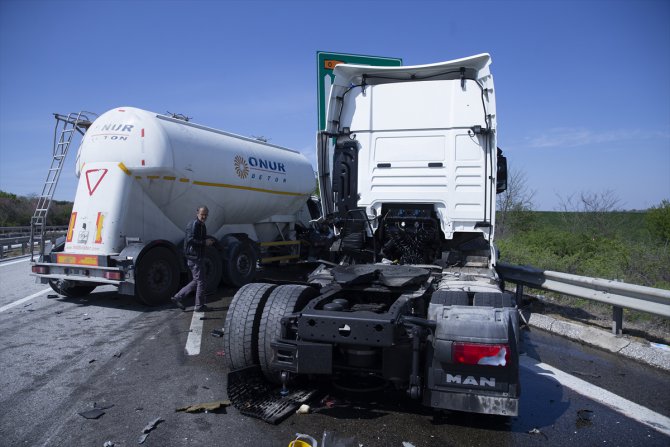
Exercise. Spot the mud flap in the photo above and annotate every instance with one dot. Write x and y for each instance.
(254, 396)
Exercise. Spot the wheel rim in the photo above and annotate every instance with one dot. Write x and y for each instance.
(243, 264)
(159, 277)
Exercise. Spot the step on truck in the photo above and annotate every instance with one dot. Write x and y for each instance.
(141, 177)
(408, 171)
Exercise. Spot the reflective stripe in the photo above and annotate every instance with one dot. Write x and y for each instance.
(70, 229)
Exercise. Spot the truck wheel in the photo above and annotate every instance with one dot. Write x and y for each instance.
(72, 291)
(240, 342)
(213, 268)
(157, 277)
(282, 302)
(240, 268)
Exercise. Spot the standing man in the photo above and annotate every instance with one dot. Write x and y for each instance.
(194, 246)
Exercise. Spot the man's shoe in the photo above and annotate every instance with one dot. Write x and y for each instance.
(177, 302)
(202, 308)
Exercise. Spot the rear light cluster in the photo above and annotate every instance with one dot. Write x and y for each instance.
(480, 354)
(117, 276)
(41, 269)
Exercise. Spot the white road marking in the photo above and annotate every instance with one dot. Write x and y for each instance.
(195, 335)
(14, 262)
(23, 300)
(617, 403)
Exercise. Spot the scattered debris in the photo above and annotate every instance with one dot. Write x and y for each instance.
(303, 409)
(92, 414)
(407, 444)
(118, 355)
(87, 318)
(108, 444)
(91, 361)
(58, 312)
(584, 418)
(660, 346)
(95, 412)
(205, 387)
(585, 374)
(585, 415)
(150, 426)
(52, 295)
(217, 333)
(334, 439)
(535, 431)
(221, 353)
(207, 406)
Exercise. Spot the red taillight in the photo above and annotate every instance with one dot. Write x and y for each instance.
(41, 269)
(117, 276)
(479, 354)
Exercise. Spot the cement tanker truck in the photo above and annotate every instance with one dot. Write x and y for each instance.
(141, 177)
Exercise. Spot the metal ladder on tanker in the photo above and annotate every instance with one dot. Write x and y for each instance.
(79, 122)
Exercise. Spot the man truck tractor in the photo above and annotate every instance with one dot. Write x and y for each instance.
(408, 173)
(141, 177)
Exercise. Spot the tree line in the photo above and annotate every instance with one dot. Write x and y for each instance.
(16, 211)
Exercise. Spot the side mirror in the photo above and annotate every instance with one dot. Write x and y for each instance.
(501, 173)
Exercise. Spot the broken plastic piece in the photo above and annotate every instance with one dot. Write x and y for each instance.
(535, 431)
(303, 409)
(217, 333)
(151, 425)
(208, 406)
(92, 414)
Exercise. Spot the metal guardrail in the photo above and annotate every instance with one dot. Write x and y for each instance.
(619, 295)
(15, 242)
(25, 231)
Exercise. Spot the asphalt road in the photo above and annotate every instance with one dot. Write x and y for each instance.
(64, 356)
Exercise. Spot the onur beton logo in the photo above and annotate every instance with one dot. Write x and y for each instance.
(260, 169)
(241, 167)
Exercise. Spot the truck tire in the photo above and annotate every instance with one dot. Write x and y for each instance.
(282, 302)
(240, 267)
(73, 291)
(240, 330)
(157, 277)
(213, 266)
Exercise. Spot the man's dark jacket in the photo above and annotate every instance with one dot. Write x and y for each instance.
(194, 243)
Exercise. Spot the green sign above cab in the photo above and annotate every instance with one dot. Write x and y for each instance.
(325, 64)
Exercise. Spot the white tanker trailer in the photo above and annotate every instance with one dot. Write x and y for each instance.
(141, 177)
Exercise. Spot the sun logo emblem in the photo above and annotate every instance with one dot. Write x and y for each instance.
(241, 167)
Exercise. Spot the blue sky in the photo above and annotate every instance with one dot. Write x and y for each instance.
(583, 87)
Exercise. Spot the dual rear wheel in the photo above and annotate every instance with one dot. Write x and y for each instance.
(254, 319)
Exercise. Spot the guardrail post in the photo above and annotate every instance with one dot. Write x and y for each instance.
(23, 248)
(617, 320)
(519, 294)
(2, 251)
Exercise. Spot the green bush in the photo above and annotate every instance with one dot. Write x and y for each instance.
(625, 255)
